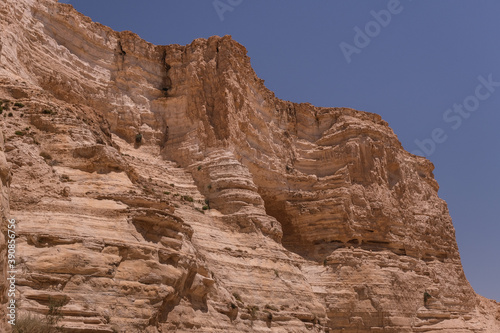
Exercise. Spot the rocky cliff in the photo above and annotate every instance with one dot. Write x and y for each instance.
(165, 189)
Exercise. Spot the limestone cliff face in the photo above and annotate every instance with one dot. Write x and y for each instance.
(164, 189)
(5, 177)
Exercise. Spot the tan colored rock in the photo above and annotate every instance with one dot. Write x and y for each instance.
(5, 178)
(319, 221)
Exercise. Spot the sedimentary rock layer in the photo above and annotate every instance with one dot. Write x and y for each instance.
(165, 189)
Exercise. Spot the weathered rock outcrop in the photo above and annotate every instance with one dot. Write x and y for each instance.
(5, 177)
(164, 188)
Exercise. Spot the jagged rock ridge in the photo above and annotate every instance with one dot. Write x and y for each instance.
(164, 188)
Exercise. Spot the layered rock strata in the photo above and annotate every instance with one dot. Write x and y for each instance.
(165, 189)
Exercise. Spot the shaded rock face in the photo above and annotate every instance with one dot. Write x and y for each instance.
(5, 177)
(164, 188)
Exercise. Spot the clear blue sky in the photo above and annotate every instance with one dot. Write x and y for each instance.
(414, 68)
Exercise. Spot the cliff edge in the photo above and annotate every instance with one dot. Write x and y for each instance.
(166, 189)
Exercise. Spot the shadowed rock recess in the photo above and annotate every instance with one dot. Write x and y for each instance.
(165, 189)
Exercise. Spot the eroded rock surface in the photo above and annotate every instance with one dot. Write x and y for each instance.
(165, 189)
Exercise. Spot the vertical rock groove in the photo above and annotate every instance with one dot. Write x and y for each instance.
(166, 189)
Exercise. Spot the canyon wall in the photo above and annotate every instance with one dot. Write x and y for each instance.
(5, 177)
(165, 189)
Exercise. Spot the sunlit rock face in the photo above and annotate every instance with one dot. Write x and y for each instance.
(165, 189)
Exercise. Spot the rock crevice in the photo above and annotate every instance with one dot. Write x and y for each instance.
(165, 188)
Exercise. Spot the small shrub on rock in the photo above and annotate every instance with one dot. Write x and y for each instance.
(138, 138)
(45, 155)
